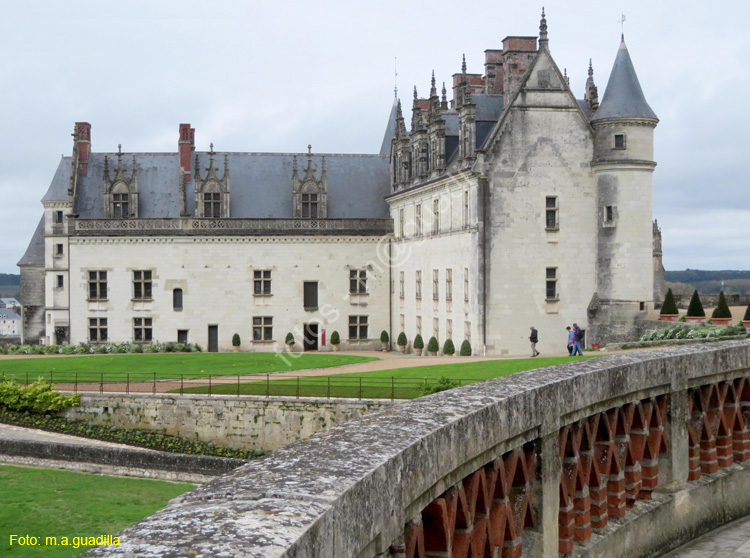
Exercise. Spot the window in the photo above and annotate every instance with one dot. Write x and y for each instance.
(310, 291)
(142, 285)
(448, 284)
(58, 249)
(262, 282)
(97, 285)
(401, 222)
(182, 335)
(401, 285)
(262, 328)
(142, 329)
(97, 329)
(435, 284)
(466, 284)
(419, 285)
(58, 216)
(449, 329)
(419, 325)
(120, 206)
(551, 212)
(212, 204)
(357, 281)
(357, 327)
(610, 213)
(60, 281)
(177, 299)
(619, 141)
(418, 220)
(309, 206)
(436, 216)
(466, 208)
(551, 283)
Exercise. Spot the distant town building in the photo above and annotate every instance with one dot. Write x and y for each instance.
(10, 322)
(9, 303)
(513, 204)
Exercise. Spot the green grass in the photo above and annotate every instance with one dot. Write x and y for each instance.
(401, 383)
(44, 503)
(117, 367)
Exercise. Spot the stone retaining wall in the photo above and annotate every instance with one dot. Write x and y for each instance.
(241, 422)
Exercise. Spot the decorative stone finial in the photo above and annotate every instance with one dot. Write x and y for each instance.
(444, 99)
(433, 89)
(463, 64)
(543, 39)
(591, 69)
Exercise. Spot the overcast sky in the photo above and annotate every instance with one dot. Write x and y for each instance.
(275, 76)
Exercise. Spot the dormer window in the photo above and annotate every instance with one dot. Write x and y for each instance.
(121, 192)
(308, 192)
(212, 192)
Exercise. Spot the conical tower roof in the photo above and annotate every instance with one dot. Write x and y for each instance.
(623, 97)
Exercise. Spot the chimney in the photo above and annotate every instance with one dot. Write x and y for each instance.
(82, 145)
(518, 53)
(186, 146)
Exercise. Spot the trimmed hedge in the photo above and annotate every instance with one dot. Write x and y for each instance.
(465, 348)
(131, 437)
(722, 309)
(695, 308)
(402, 340)
(418, 342)
(289, 339)
(448, 347)
(669, 306)
(335, 338)
(100, 348)
(432, 345)
(384, 337)
(236, 340)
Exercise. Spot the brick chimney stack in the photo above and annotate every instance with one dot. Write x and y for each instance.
(518, 53)
(82, 146)
(186, 146)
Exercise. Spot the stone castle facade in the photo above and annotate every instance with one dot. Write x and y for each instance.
(513, 204)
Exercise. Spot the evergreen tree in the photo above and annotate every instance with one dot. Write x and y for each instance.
(432, 345)
(669, 306)
(335, 338)
(418, 342)
(448, 347)
(696, 307)
(402, 341)
(722, 309)
(465, 348)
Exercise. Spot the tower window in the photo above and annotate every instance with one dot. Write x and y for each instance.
(619, 141)
(177, 299)
(551, 283)
(58, 216)
(551, 213)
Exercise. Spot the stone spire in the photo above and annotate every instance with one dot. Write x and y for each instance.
(433, 89)
(591, 94)
(444, 99)
(417, 120)
(463, 64)
(623, 97)
(543, 39)
(400, 125)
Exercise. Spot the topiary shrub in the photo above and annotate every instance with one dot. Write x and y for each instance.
(432, 345)
(465, 348)
(236, 340)
(449, 348)
(722, 309)
(669, 306)
(384, 337)
(402, 341)
(335, 338)
(696, 307)
(289, 339)
(418, 342)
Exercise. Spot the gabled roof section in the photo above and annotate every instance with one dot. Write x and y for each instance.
(58, 188)
(390, 130)
(34, 254)
(623, 97)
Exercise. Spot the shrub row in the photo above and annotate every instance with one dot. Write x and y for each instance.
(688, 332)
(131, 437)
(37, 396)
(100, 348)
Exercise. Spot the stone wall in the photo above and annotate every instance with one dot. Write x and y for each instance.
(452, 470)
(240, 422)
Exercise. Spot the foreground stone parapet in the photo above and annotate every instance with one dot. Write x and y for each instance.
(579, 459)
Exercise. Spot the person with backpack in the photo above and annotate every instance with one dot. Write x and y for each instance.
(578, 336)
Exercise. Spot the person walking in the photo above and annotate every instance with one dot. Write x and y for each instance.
(578, 337)
(534, 339)
(571, 340)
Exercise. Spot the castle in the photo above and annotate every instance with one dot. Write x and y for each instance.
(513, 204)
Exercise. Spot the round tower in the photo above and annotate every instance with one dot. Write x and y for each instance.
(623, 165)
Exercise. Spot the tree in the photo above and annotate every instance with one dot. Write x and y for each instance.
(432, 345)
(418, 342)
(465, 348)
(722, 309)
(335, 338)
(384, 336)
(696, 307)
(289, 339)
(448, 347)
(669, 306)
(402, 341)
(747, 313)
(236, 340)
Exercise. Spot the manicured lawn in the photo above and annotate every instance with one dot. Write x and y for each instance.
(400, 383)
(118, 367)
(45, 503)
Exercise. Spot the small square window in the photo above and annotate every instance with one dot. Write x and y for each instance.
(59, 249)
(619, 141)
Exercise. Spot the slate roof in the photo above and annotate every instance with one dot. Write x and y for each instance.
(8, 314)
(34, 254)
(261, 184)
(390, 130)
(623, 97)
